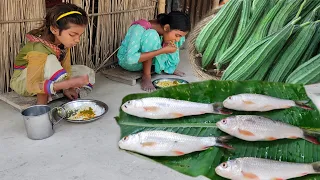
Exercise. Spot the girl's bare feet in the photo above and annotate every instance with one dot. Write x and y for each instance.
(146, 83)
(179, 73)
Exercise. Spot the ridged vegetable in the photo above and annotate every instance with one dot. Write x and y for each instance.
(309, 7)
(307, 73)
(213, 26)
(242, 57)
(311, 16)
(251, 65)
(263, 28)
(237, 45)
(228, 39)
(264, 25)
(290, 9)
(291, 53)
(244, 19)
(312, 47)
(213, 47)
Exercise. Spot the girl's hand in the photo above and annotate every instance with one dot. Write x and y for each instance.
(71, 93)
(169, 49)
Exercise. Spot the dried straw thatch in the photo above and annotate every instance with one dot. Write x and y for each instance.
(15, 22)
(109, 21)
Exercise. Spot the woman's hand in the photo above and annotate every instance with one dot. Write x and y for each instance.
(71, 93)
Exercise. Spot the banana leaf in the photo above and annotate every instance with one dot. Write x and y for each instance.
(203, 163)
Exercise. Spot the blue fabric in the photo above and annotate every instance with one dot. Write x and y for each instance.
(139, 40)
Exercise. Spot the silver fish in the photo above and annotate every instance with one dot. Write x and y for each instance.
(163, 143)
(259, 102)
(263, 169)
(258, 128)
(165, 108)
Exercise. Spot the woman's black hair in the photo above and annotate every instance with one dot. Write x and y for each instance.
(176, 19)
(63, 23)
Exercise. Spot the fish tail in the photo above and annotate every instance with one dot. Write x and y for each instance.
(220, 141)
(302, 104)
(311, 136)
(316, 167)
(219, 109)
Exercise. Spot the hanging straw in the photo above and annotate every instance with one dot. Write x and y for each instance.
(13, 30)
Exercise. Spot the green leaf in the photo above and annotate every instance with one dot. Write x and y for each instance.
(204, 162)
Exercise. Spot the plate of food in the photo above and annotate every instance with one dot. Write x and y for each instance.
(168, 82)
(82, 111)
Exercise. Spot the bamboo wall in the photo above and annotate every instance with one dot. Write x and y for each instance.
(109, 21)
(197, 9)
(17, 17)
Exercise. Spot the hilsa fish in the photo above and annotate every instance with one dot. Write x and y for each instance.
(163, 143)
(259, 102)
(258, 128)
(248, 168)
(165, 108)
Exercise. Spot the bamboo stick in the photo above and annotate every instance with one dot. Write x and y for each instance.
(161, 6)
(215, 4)
(77, 2)
(12, 34)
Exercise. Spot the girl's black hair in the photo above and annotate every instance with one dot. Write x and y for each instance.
(61, 24)
(176, 19)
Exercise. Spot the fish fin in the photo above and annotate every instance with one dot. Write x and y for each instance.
(177, 115)
(179, 153)
(219, 109)
(311, 136)
(303, 105)
(145, 144)
(245, 132)
(293, 137)
(271, 138)
(151, 108)
(220, 141)
(206, 147)
(316, 167)
(303, 174)
(248, 102)
(250, 175)
(278, 179)
(224, 145)
(224, 138)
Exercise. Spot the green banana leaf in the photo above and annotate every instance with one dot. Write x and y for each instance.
(204, 162)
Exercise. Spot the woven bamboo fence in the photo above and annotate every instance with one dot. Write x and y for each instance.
(109, 21)
(197, 9)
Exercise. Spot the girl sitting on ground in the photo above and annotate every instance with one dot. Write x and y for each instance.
(43, 66)
(154, 42)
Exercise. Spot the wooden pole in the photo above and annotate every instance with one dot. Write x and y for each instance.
(215, 4)
(161, 6)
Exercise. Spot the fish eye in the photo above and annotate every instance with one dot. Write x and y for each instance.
(224, 121)
(224, 165)
(125, 138)
(230, 97)
(129, 102)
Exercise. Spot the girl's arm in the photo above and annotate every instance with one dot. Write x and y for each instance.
(149, 55)
(66, 64)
